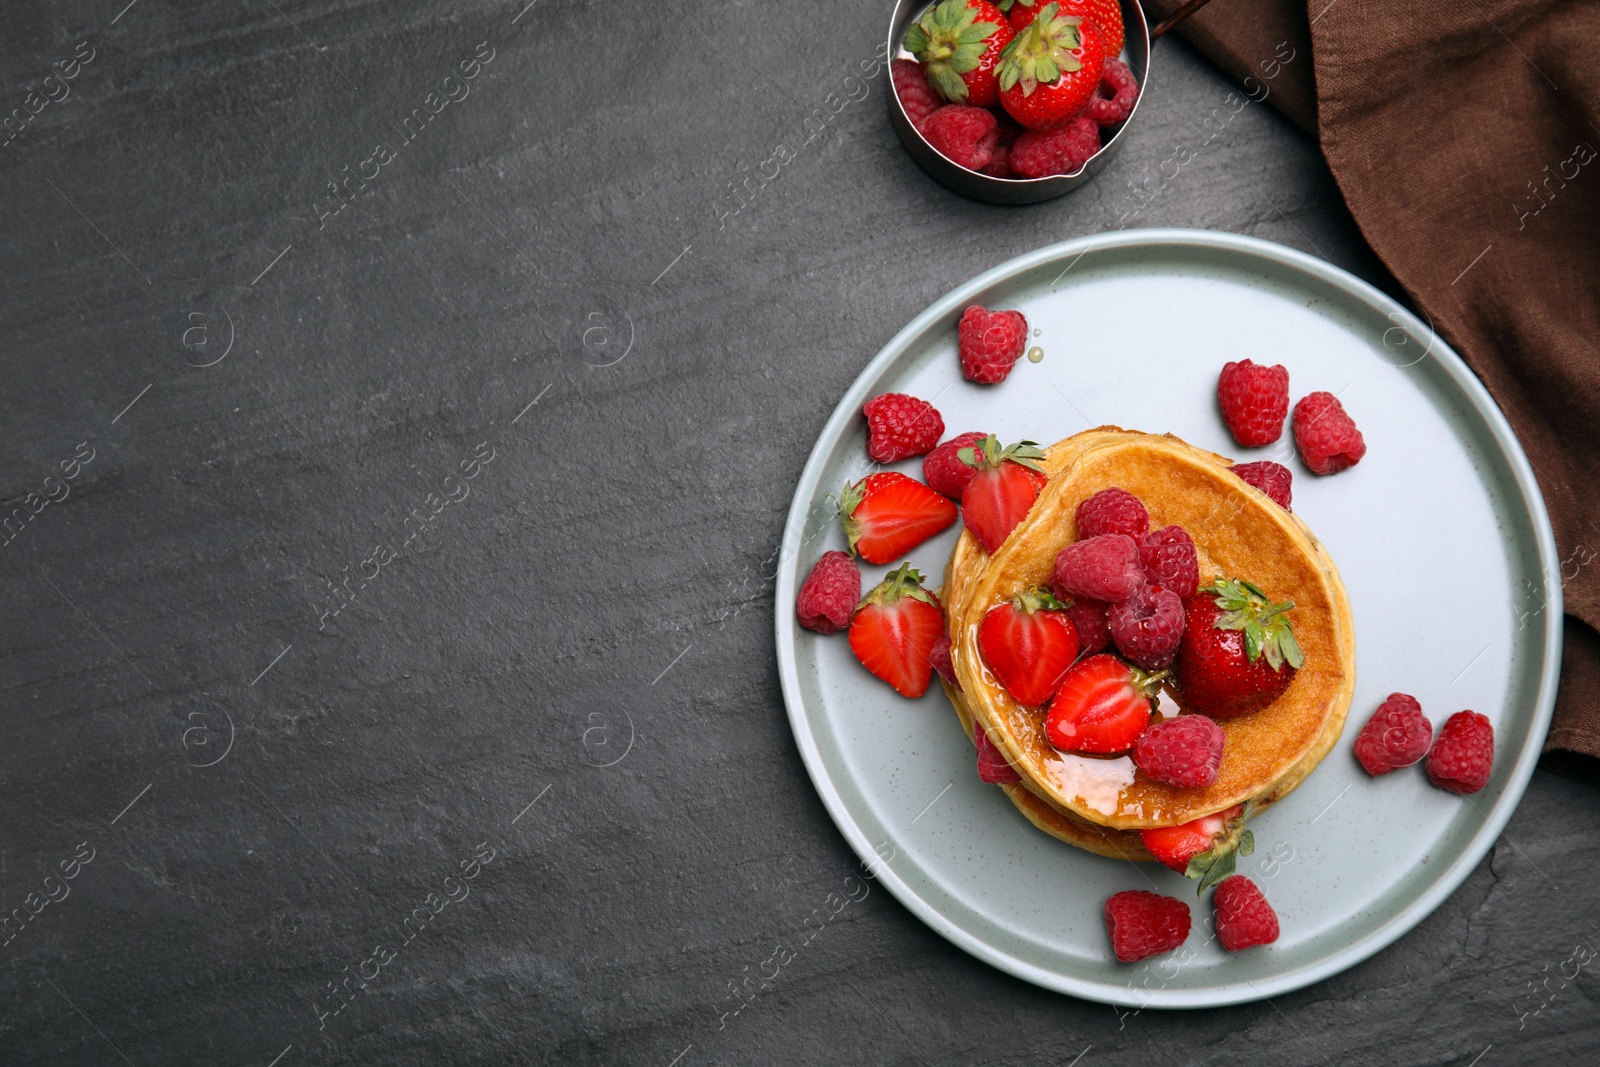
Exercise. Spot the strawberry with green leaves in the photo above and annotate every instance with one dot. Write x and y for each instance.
(958, 43)
(1004, 489)
(894, 630)
(1051, 69)
(1103, 705)
(1105, 14)
(1029, 643)
(1205, 848)
(1238, 653)
(887, 514)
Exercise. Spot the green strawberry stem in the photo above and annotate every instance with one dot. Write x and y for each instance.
(949, 41)
(1217, 862)
(1039, 54)
(987, 454)
(849, 500)
(1147, 682)
(1037, 599)
(904, 581)
(1266, 628)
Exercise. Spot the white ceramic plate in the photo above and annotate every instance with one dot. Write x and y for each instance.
(1440, 534)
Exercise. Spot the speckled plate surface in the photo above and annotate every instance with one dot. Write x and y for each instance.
(1133, 328)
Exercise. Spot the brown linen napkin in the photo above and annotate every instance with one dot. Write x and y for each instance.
(1464, 137)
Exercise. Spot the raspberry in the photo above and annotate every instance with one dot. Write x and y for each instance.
(1169, 558)
(1114, 99)
(1184, 751)
(966, 136)
(1111, 511)
(999, 165)
(943, 470)
(1396, 736)
(1326, 435)
(1100, 568)
(1089, 616)
(1273, 479)
(1147, 627)
(1144, 924)
(1254, 400)
(1464, 754)
(912, 88)
(939, 656)
(992, 766)
(1244, 918)
(830, 594)
(1063, 150)
(991, 342)
(899, 426)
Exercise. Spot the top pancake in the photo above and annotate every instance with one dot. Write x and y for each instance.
(1239, 533)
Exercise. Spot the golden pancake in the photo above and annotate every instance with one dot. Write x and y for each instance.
(1127, 844)
(1238, 532)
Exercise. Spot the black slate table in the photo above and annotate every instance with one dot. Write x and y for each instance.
(401, 404)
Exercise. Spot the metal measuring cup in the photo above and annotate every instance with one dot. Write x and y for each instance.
(1137, 37)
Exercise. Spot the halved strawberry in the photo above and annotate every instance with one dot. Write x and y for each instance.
(1029, 643)
(1205, 848)
(894, 630)
(887, 514)
(999, 495)
(1103, 705)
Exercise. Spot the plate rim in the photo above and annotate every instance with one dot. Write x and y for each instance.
(1448, 880)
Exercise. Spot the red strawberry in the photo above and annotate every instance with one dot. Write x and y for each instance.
(900, 426)
(942, 468)
(1185, 751)
(1089, 616)
(1103, 705)
(992, 766)
(1170, 559)
(1117, 93)
(1326, 435)
(1029, 643)
(1051, 69)
(911, 88)
(1063, 150)
(1105, 14)
(1396, 736)
(1244, 918)
(829, 594)
(1254, 400)
(1273, 479)
(940, 657)
(1148, 626)
(1239, 653)
(1463, 757)
(894, 629)
(1113, 510)
(1005, 485)
(1144, 924)
(964, 135)
(1205, 848)
(991, 342)
(958, 43)
(887, 514)
(1102, 568)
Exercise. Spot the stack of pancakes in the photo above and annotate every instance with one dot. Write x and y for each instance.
(1100, 803)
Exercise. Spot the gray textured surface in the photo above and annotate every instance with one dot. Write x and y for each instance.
(606, 577)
